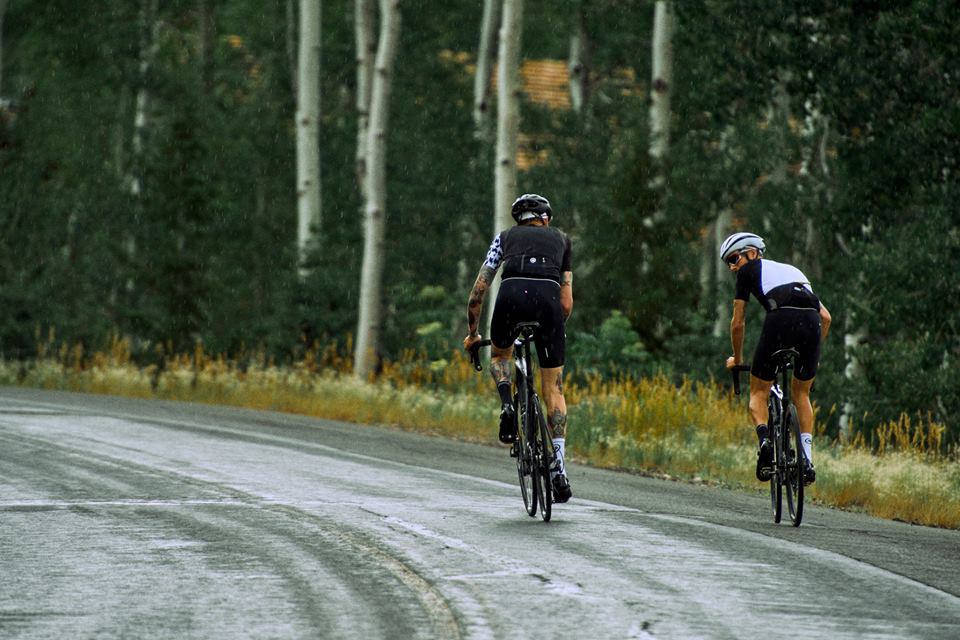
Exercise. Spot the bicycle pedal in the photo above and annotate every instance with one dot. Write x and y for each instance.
(514, 453)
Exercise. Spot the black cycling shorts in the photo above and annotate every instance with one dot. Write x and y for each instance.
(785, 328)
(531, 300)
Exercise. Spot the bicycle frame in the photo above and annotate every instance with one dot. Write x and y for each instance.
(533, 447)
(784, 430)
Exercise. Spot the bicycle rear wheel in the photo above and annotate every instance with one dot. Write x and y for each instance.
(794, 465)
(524, 445)
(776, 486)
(544, 455)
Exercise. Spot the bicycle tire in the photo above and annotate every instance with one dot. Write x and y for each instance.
(776, 480)
(544, 450)
(524, 451)
(794, 468)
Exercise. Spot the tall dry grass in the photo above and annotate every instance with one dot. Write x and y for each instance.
(693, 430)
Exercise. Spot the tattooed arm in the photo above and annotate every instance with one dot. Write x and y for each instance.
(566, 293)
(475, 303)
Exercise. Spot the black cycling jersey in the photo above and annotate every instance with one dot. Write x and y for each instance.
(533, 259)
(775, 285)
(529, 251)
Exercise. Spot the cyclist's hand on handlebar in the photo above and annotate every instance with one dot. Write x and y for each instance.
(732, 362)
(471, 340)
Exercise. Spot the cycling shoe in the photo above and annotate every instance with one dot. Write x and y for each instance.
(765, 460)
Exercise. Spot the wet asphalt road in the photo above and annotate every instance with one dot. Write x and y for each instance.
(135, 519)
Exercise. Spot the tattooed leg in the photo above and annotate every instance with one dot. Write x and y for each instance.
(500, 370)
(558, 424)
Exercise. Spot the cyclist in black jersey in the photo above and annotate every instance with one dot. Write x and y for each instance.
(536, 285)
(795, 318)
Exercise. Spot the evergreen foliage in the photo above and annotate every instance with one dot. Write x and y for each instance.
(833, 129)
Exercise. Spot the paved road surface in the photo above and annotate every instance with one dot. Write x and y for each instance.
(129, 519)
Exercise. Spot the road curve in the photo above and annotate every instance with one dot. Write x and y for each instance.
(127, 518)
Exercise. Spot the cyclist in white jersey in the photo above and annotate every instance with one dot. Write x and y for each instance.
(795, 318)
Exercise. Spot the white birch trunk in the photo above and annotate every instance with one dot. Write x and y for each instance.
(363, 21)
(508, 126)
(660, 87)
(149, 32)
(661, 83)
(308, 127)
(206, 32)
(481, 81)
(578, 66)
(3, 10)
(366, 351)
(291, 46)
(723, 298)
(852, 340)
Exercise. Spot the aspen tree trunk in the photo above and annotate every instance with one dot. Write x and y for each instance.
(149, 32)
(467, 226)
(481, 81)
(508, 126)
(661, 85)
(366, 352)
(206, 31)
(855, 333)
(3, 10)
(579, 65)
(724, 293)
(363, 21)
(308, 127)
(291, 46)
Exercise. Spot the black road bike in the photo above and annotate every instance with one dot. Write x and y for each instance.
(533, 447)
(788, 456)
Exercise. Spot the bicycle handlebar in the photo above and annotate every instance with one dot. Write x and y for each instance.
(475, 353)
(735, 372)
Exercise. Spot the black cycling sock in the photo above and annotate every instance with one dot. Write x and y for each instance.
(762, 432)
(503, 389)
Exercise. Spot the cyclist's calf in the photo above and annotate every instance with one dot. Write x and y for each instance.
(759, 392)
(801, 399)
(552, 392)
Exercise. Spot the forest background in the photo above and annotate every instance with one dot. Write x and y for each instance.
(832, 129)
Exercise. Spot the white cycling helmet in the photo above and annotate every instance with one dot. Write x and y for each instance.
(739, 242)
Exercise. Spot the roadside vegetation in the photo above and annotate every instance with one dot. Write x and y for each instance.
(691, 431)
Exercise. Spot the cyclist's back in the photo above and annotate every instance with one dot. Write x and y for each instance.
(792, 319)
(795, 319)
(536, 286)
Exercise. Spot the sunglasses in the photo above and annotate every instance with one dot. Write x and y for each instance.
(733, 259)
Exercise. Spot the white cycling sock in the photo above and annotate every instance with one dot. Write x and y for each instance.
(558, 447)
(806, 440)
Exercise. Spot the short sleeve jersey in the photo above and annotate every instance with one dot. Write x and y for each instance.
(775, 285)
(524, 251)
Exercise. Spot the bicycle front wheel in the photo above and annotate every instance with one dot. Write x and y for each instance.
(794, 465)
(776, 486)
(544, 455)
(524, 451)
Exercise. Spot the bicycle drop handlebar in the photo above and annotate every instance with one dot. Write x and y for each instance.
(475, 353)
(735, 372)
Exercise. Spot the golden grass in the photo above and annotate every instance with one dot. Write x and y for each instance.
(691, 431)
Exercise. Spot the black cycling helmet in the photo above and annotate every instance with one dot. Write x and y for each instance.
(531, 204)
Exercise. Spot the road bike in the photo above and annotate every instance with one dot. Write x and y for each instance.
(788, 456)
(533, 447)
